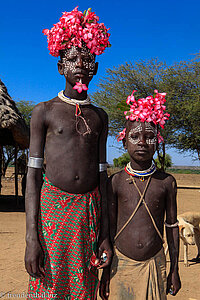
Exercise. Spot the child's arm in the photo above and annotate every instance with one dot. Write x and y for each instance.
(112, 209)
(173, 279)
(103, 240)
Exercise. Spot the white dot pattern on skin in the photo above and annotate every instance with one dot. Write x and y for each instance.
(138, 129)
(150, 128)
(133, 131)
(70, 60)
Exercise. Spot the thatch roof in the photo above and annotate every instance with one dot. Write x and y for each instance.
(13, 129)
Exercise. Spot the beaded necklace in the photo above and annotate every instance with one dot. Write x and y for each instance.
(140, 174)
(78, 112)
(71, 101)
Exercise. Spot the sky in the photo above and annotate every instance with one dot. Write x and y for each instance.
(140, 30)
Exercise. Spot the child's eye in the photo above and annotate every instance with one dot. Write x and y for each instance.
(134, 137)
(87, 59)
(72, 59)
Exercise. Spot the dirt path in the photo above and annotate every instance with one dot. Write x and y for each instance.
(13, 277)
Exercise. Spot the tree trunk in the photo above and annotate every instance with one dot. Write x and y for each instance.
(161, 157)
(16, 177)
(1, 156)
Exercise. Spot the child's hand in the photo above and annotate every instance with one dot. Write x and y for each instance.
(173, 283)
(105, 248)
(104, 284)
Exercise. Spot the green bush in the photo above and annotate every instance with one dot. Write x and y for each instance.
(121, 161)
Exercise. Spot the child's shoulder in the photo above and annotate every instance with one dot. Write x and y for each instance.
(117, 178)
(166, 178)
(46, 104)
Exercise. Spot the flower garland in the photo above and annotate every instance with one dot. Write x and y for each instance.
(149, 109)
(76, 27)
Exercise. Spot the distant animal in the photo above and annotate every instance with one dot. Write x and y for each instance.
(189, 232)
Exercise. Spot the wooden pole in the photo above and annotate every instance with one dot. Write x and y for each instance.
(16, 177)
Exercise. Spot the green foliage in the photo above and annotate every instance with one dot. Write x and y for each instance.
(25, 108)
(183, 86)
(167, 161)
(121, 161)
(183, 171)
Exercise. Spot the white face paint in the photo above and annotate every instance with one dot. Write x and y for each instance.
(133, 135)
(150, 128)
(70, 60)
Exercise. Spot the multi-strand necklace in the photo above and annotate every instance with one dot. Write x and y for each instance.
(78, 116)
(72, 101)
(140, 174)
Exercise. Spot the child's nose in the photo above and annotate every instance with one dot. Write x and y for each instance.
(142, 140)
(80, 61)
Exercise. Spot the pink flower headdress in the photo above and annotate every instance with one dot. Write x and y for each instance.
(149, 109)
(76, 27)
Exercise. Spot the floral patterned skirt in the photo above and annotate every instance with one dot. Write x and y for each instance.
(68, 229)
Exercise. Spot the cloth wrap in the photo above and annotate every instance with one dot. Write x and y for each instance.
(68, 229)
(138, 280)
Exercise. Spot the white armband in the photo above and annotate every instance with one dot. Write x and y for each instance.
(35, 162)
(171, 225)
(103, 166)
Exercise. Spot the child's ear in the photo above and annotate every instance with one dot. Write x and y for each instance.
(60, 67)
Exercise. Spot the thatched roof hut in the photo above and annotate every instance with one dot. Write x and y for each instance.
(13, 129)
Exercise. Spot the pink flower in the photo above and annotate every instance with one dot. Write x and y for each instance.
(80, 87)
(74, 28)
(149, 109)
(159, 137)
(121, 135)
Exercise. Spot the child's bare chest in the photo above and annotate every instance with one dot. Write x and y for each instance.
(68, 123)
(132, 197)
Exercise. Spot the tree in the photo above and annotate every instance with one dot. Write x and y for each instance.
(183, 86)
(167, 162)
(119, 82)
(121, 161)
(181, 83)
(142, 76)
(25, 108)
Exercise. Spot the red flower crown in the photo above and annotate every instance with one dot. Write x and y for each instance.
(149, 109)
(76, 27)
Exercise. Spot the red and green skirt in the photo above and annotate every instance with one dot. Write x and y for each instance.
(68, 230)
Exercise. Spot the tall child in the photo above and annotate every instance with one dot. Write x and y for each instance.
(63, 215)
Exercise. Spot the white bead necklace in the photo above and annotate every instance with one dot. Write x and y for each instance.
(78, 112)
(73, 101)
(141, 174)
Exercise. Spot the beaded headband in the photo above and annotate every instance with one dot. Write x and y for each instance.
(149, 109)
(75, 28)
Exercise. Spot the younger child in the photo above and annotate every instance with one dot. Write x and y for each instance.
(139, 197)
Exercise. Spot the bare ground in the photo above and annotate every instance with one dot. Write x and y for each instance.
(13, 277)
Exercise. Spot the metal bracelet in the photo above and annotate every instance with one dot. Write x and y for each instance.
(35, 162)
(103, 166)
(171, 225)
